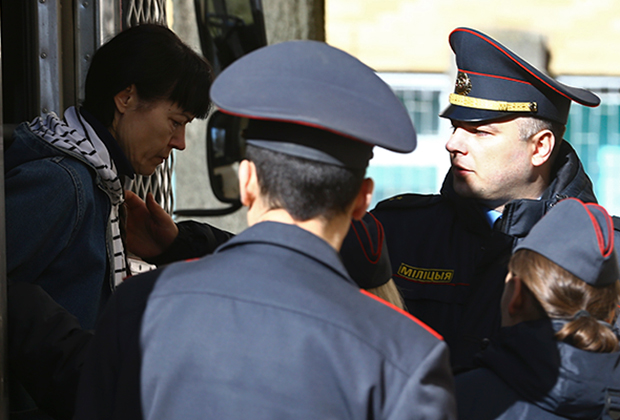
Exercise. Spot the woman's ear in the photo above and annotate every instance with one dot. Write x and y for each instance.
(519, 304)
(516, 299)
(125, 98)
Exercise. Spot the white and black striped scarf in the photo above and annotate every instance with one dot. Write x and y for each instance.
(77, 137)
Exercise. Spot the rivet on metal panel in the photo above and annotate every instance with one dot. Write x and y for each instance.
(43, 55)
(45, 110)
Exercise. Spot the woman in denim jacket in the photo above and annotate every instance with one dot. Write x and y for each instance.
(65, 178)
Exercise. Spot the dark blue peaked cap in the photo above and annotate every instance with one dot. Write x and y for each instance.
(364, 253)
(493, 82)
(311, 84)
(579, 238)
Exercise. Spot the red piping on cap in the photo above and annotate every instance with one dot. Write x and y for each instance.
(376, 254)
(605, 250)
(496, 77)
(295, 122)
(513, 59)
(408, 315)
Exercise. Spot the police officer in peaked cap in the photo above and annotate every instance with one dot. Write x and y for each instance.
(509, 165)
(271, 325)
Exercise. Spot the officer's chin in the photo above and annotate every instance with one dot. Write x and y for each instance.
(461, 188)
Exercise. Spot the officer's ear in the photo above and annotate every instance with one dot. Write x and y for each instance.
(248, 183)
(362, 201)
(543, 143)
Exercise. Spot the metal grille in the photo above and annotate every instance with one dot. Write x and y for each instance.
(160, 183)
(144, 11)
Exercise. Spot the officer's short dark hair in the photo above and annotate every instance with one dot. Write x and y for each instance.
(157, 62)
(528, 126)
(305, 189)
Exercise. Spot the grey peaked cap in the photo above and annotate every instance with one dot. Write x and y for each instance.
(313, 84)
(579, 238)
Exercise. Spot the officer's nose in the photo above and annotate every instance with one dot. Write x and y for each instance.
(456, 142)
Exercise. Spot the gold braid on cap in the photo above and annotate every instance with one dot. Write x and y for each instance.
(490, 105)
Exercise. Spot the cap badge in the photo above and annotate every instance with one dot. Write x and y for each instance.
(463, 84)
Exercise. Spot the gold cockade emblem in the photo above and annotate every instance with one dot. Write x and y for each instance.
(463, 84)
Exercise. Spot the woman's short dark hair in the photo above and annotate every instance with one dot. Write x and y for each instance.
(304, 188)
(157, 62)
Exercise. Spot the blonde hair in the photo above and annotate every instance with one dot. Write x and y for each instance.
(562, 295)
(389, 292)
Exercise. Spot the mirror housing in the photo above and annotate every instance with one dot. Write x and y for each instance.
(229, 29)
(225, 149)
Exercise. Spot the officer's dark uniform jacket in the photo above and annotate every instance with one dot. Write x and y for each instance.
(270, 326)
(526, 374)
(450, 265)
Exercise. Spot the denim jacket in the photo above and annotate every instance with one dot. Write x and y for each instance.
(57, 222)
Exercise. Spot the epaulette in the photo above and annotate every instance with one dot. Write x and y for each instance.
(409, 201)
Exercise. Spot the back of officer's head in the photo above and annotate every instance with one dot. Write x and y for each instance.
(309, 172)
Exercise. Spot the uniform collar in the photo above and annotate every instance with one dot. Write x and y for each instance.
(293, 238)
(492, 216)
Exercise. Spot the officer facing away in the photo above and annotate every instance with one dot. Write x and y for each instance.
(509, 166)
(557, 355)
(271, 325)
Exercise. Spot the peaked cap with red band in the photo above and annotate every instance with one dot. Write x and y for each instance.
(313, 86)
(364, 253)
(579, 238)
(493, 83)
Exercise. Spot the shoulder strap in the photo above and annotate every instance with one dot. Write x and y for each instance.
(408, 201)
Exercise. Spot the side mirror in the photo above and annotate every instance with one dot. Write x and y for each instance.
(225, 149)
(228, 29)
